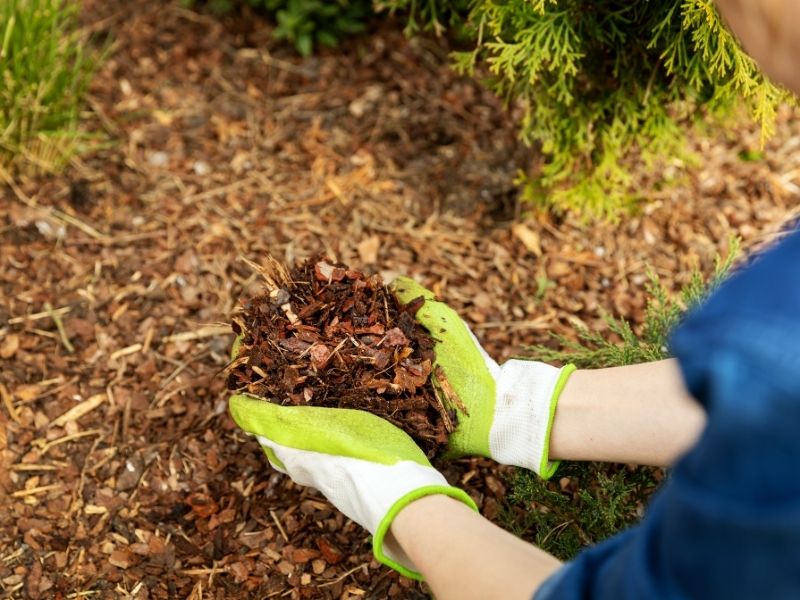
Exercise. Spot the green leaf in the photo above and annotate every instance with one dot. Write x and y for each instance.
(304, 44)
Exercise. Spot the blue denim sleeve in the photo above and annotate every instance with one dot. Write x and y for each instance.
(727, 523)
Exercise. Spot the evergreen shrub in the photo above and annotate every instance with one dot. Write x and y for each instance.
(605, 85)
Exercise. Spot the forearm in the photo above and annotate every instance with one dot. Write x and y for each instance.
(463, 556)
(639, 414)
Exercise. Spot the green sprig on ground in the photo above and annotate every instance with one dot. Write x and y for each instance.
(45, 69)
(607, 500)
(593, 350)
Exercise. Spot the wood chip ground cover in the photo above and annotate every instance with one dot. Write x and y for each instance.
(121, 474)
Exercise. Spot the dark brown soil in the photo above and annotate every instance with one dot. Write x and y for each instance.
(327, 335)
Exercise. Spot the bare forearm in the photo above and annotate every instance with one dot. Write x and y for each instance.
(639, 414)
(463, 556)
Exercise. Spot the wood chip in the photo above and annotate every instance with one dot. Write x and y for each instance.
(200, 333)
(77, 411)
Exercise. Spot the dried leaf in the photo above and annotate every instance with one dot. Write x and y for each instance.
(9, 346)
(529, 238)
(368, 249)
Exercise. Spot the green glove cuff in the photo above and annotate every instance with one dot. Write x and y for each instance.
(548, 468)
(386, 522)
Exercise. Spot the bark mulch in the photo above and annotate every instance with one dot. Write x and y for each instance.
(121, 473)
(324, 334)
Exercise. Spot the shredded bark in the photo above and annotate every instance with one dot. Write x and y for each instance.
(327, 335)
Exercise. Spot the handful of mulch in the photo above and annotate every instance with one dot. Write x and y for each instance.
(324, 334)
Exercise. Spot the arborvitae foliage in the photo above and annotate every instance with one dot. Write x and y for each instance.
(604, 84)
(597, 500)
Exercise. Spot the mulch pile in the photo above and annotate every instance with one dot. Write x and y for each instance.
(326, 335)
(121, 473)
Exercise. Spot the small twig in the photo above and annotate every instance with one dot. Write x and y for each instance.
(280, 527)
(540, 323)
(37, 490)
(32, 467)
(447, 390)
(132, 349)
(223, 189)
(555, 529)
(14, 555)
(343, 575)
(54, 212)
(77, 411)
(202, 332)
(60, 326)
(46, 446)
(182, 366)
(202, 571)
(52, 391)
(78, 224)
(9, 404)
(40, 315)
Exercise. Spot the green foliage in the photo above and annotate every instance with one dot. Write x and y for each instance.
(309, 23)
(306, 24)
(662, 314)
(606, 498)
(429, 15)
(45, 72)
(604, 84)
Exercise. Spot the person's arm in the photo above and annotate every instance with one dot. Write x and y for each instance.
(639, 414)
(464, 557)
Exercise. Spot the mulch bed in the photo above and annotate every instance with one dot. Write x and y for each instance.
(121, 473)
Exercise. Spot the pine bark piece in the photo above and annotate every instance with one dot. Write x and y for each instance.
(324, 334)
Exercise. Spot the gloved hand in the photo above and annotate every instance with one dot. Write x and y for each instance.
(505, 412)
(368, 468)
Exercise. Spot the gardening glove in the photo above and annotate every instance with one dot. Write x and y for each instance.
(368, 468)
(505, 412)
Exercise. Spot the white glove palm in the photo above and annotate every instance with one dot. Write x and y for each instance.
(368, 468)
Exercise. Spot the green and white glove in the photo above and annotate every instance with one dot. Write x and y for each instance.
(505, 412)
(365, 466)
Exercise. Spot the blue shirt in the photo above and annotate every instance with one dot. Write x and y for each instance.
(727, 522)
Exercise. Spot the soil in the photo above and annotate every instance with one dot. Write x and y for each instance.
(121, 473)
(326, 335)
